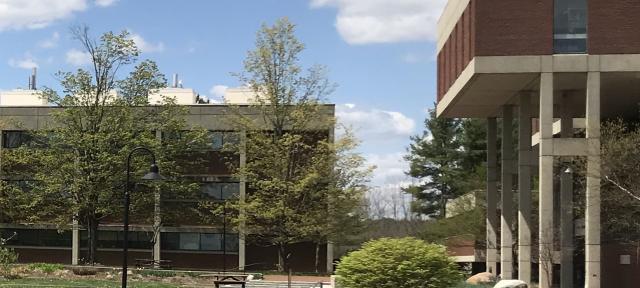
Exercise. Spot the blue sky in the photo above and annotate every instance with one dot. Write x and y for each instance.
(381, 53)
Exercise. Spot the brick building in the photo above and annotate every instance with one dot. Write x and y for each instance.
(185, 241)
(559, 66)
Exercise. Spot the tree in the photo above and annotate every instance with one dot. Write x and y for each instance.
(434, 159)
(398, 263)
(446, 159)
(300, 182)
(75, 167)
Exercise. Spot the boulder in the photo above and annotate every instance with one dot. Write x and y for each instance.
(482, 278)
(511, 284)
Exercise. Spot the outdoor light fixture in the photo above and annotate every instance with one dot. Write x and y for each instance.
(152, 175)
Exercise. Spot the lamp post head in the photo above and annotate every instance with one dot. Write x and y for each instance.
(154, 173)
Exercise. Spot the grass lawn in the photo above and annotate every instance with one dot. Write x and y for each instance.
(26, 283)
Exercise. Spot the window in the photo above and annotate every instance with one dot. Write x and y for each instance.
(114, 239)
(211, 242)
(198, 241)
(189, 241)
(220, 190)
(37, 237)
(15, 139)
(220, 138)
(570, 26)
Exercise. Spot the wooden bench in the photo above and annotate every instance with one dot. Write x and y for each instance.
(238, 279)
(150, 263)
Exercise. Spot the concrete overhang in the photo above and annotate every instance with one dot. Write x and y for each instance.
(489, 82)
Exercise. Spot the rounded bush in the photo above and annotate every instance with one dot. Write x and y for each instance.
(398, 263)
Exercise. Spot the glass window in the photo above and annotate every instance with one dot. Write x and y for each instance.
(217, 140)
(14, 139)
(189, 241)
(570, 26)
(212, 189)
(210, 242)
(170, 241)
(232, 242)
(230, 190)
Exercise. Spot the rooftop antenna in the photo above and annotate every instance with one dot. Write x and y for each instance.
(32, 82)
(175, 81)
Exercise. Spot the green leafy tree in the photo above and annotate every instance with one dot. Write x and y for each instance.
(398, 263)
(75, 167)
(301, 184)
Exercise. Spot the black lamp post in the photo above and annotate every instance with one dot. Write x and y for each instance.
(152, 175)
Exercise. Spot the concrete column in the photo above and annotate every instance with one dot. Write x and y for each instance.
(524, 188)
(507, 215)
(545, 238)
(592, 212)
(75, 243)
(566, 202)
(157, 217)
(242, 252)
(492, 196)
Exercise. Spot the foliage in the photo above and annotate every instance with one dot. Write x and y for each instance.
(398, 263)
(7, 257)
(45, 267)
(446, 159)
(75, 166)
(301, 184)
(29, 283)
(157, 273)
(620, 170)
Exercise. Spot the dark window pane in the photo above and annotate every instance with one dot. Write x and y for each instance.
(570, 26)
(170, 241)
(210, 242)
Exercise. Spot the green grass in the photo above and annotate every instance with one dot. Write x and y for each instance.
(51, 283)
(45, 267)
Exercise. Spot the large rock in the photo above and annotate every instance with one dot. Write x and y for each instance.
(482, 278)
(511, 284)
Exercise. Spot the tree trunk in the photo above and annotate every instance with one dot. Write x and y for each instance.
(92, 239)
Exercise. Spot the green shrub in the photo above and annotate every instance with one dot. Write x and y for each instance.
(398, 263)
(7, 257)
(84, 271)
(157, 273)
(46, 267)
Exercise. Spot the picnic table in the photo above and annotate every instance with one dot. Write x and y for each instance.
(230, 279)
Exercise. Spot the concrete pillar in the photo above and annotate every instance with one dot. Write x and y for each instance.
(157, 217)
(507, 218)
(75, 243)
(492, 196)
(524, 188)
(242, 252)
(592, 212)
(330, 248)
(566, 202)
(545, 202)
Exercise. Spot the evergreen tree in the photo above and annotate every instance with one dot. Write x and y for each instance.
(434, 159)
(446, 159)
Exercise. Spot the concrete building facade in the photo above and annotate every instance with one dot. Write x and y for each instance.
(557, 67)
(186, 242)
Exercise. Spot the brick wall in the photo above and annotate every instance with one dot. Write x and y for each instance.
(613, 27)
(495, 28)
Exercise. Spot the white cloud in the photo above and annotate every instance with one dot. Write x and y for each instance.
(374, 123)
(76, 57)
(105, 3)
(390, 169)
(145, 46)
(26, 62)
(51, 41)
(34, 14)
(384, 21)
(218, 90)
